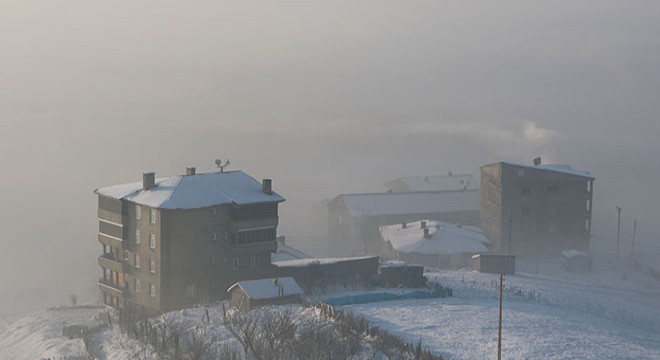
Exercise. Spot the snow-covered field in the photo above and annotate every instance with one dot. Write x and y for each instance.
(556, 316)
(544, 318)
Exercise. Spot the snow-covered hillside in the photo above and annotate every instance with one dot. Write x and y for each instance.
(560, 317)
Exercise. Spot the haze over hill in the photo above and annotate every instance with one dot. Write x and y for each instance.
(322, 97)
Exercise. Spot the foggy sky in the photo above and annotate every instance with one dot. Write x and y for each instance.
(322, 97)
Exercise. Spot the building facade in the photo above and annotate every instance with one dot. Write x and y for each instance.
(174, 242)
(536, 208)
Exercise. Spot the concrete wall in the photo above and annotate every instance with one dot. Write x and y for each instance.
(537, 210)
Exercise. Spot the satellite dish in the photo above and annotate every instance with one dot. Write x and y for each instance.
(222, 164)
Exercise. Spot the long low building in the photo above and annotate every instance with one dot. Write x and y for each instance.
(354, 219)
(320, 272)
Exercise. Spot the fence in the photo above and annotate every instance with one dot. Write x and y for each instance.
(438, 292)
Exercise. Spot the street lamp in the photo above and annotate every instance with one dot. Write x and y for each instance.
(618, 232)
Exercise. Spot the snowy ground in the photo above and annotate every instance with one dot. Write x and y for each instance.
(39, 335)
(544, 318)
(613, 313)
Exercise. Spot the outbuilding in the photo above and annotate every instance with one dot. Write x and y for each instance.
(246, 295)
(494, 263)
(575, 261)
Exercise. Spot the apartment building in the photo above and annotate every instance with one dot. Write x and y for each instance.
(174, 242)
(536, 208)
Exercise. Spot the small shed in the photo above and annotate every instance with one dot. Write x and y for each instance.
(575, 261)
(246, 295)
(399, 273)
(494, 263)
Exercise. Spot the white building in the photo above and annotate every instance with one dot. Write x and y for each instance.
(433, 243)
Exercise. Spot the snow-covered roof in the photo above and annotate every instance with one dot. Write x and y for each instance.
(269, 288)
(444, 238)
(436, 183)
(194, 191)
(411, 202)
(320, 261)
(562, 168)
(285, 252)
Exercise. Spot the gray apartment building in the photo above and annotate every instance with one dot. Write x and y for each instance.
(173, 242)
(536, 208)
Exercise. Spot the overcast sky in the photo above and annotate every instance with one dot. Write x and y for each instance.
(322, 97)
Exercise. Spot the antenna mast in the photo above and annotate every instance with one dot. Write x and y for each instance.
(222, 164)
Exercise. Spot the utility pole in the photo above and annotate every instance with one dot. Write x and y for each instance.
(618, 232)
(499, 328)
(632, 248)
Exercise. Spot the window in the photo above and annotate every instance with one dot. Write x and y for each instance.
(253, 259)
(153, 216)
(213, 260)
(137, 236)
(137, 285)
(152, 289)
(152, 265)
(525, 190)
(152, 241)
(138, 212)
(214, 237)
(212, 284)
(191, 291)
(136, 260)
(214, 211)
(256, 236)
(126, 255)
(236, 263)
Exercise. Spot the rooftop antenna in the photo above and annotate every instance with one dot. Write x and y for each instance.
(222, 164)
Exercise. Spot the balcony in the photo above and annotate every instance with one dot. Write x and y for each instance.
(111, 262)
(107, 286)
(256, 223)
(109, 240)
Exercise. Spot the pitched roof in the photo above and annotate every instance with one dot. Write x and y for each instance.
(320, 261)
(435, 183)
(444, 238)
(194, 191)
(410, 202)
(285, 252)
(269, 288)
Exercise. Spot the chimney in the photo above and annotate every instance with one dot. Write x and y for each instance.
(423, 224)
(426, 233)
(148, 180)
(537, 161)
(281, 239)
(404, 225)
(190, 170)
(267, 186)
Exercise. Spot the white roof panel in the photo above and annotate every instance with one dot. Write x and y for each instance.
(444, 238)
(194, 191)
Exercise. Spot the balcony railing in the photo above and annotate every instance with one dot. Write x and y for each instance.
(112, 262)
(112, 288)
